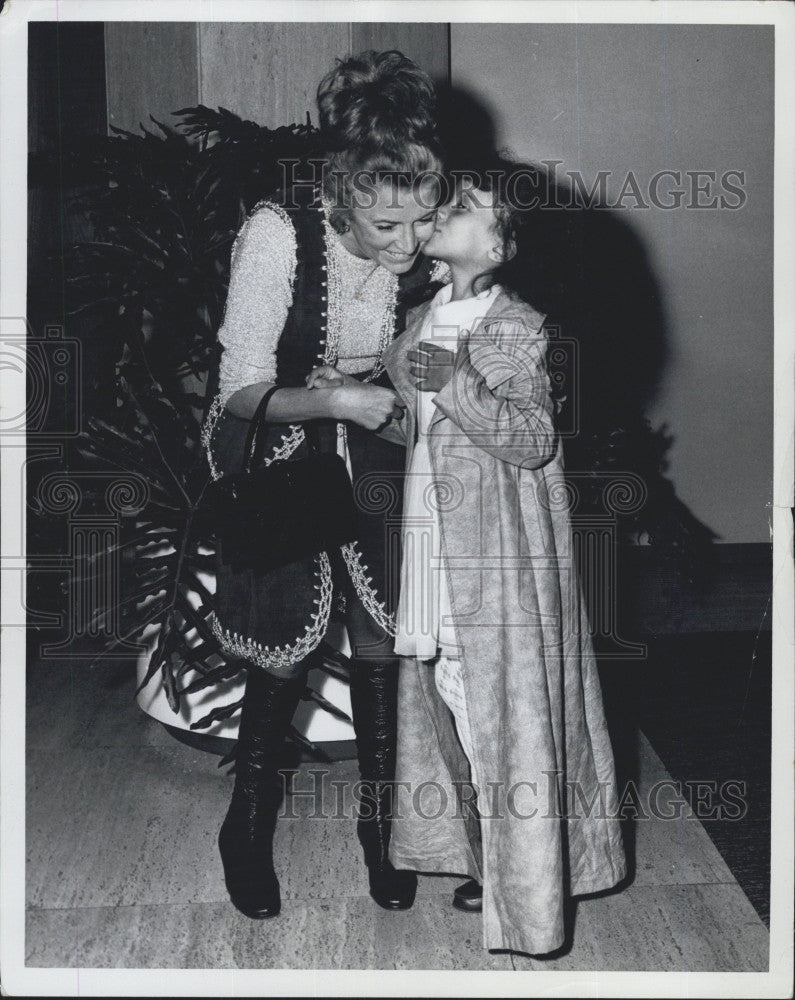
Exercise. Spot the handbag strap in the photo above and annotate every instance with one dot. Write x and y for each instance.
(255, 439)
(312, 435)
(257, 433)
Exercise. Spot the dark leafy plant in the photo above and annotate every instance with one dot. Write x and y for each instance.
(663, 521)
(164, 207)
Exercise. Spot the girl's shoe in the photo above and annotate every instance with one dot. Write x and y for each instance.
(469, 897)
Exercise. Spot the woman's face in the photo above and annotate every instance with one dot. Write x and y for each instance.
(389, 224)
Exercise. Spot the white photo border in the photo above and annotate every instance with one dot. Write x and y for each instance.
(17, 979)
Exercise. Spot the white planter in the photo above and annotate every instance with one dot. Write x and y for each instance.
(310, 719)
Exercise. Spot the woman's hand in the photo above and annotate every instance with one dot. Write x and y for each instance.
(371, 406)
(326, 376)
(431, 366)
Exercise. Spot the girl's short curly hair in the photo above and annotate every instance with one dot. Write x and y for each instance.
(377, 116)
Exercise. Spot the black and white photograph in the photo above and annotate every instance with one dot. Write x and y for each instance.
(396, 430)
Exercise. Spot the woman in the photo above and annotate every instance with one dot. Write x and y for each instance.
(324, 278)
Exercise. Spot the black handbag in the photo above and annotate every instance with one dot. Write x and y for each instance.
(269, 516)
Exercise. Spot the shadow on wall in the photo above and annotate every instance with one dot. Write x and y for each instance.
(593, 279)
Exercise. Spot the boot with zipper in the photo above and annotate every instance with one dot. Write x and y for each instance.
(374, 711)
(246, 837)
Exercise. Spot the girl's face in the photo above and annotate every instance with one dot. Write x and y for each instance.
(389, 224)
(466, 230)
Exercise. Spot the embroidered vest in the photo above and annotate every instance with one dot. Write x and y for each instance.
(302, 343)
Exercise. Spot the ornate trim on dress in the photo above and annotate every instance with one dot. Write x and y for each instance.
(290, 441)
(207, 431)
(334, 313)
(441, 272)
(290, 237)
(387, 329)
(367, 594)
(282, 657)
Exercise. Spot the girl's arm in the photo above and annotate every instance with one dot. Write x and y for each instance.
(499, 394)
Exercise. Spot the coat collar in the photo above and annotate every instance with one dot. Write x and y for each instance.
(503, 308)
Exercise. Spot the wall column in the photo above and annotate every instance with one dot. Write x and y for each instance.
(265, 71)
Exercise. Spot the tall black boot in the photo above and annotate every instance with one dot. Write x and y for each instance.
(246, 837)
(374, 710)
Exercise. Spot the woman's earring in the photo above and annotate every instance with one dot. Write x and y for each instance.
(339, 223)
(496, 255)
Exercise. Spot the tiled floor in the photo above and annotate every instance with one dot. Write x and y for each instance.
(704, 702)
(122, 867)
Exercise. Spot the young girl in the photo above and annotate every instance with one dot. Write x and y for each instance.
(499, 691)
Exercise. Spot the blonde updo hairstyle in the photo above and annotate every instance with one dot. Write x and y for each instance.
(376, 113)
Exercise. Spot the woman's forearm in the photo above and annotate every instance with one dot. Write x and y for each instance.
(286, 405)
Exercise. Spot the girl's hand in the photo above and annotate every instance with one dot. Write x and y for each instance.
(431, 366)
(326, 376)
(371, 406)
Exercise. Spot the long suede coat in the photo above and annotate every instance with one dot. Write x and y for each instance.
(542, 755)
